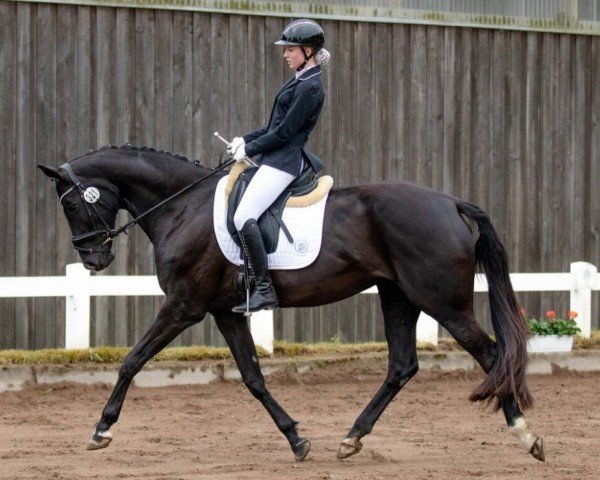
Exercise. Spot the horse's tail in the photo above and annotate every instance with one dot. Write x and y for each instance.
(507, 375)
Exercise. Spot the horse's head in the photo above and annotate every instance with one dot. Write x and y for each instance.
(91, 206)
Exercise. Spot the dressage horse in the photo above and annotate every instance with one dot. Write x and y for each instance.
(419, 247)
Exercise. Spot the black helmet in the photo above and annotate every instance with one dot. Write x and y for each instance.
(302, 32)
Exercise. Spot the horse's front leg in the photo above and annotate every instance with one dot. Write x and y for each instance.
(169, 323)
(234, 328)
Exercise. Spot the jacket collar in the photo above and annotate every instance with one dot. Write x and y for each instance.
(313, 72)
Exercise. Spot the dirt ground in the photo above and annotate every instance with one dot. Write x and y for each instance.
(220, 431)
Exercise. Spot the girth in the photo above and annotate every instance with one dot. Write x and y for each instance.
(271, 221)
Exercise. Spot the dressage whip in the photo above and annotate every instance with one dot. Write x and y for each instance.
(247, 313)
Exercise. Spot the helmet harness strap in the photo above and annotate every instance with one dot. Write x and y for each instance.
(306, 57)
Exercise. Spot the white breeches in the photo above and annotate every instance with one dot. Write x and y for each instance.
(264, 188)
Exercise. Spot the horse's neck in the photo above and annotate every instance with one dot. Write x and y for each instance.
(144, 182)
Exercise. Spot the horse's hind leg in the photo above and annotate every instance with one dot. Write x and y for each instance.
(400, 317)
(239, 339)
(469, 334)
(169, 323)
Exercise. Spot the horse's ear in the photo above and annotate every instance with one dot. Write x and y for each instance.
(51, 172)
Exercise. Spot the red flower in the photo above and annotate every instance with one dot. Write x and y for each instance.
(572, 315)
(551, 314)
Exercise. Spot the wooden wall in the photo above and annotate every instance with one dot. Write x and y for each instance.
(508, 120)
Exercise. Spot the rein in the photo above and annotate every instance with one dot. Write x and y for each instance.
(108, 233)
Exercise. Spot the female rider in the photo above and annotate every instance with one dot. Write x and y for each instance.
(279, 148)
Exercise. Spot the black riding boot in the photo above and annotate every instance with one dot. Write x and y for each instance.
(263, 296)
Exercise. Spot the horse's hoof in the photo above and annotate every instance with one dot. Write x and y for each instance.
(348, 447)
(100, 440)
(301, 449)
(537, 449)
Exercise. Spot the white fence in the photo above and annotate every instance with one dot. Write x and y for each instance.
(78, 286)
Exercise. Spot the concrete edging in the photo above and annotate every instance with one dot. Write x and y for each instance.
(161, 374)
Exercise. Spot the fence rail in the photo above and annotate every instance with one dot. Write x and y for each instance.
(78, 286)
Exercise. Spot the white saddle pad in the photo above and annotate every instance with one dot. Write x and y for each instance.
(304, 223)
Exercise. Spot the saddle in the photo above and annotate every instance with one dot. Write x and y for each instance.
(271, 221)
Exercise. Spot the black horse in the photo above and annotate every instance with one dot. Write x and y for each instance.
(420, 247)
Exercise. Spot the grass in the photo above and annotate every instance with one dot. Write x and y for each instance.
(588, 343)
(182, 354)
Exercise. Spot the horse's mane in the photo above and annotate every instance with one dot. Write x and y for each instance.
(143, 149)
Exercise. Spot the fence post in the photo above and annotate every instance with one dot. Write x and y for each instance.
(427, 329)
(584, 275)
(261, 327)
(77, 324)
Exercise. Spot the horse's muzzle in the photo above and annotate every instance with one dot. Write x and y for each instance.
(96, 261)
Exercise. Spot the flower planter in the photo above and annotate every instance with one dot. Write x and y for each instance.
(550, 343)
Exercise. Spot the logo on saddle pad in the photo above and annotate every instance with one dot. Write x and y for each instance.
(301, 246)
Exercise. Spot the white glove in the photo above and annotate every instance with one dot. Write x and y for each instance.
(240, 154)
(236, 143)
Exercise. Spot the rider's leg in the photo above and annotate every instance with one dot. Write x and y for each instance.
(264, 188)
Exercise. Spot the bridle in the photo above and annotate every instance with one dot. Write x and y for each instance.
(90, 197)
(89, 201)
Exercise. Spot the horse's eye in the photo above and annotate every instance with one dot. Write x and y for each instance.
(71, 208)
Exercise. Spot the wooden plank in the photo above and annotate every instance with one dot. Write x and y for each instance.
(383, 128)
(336, 319)
(561, 164)
(516, 156)
(434, 108)
(449, 159)
(363, 123)
(346, 118)
(182, 101)
(85, 28)
(533, 140)
(419, 169)
(400, 102)
(354, 312)
(549, 146)
(203, 125)
(219, 91)
(163, 80)
(594, 205)
(182, 84)
(105, 134)
(498, 167)
(236, 105)
(25, 178)
(257, 43)
(163, 103)
(8, 13)
(145, 134)
(532, 137)
(45, 147)
(66, 141)
(482, 117)
(579, 172)
(124, 245)
(465, 178)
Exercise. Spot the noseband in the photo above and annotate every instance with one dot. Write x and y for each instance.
(89, 197)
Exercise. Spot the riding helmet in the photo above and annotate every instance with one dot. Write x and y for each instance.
(303, 32)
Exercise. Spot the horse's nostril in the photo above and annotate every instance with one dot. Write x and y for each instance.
(89, 266)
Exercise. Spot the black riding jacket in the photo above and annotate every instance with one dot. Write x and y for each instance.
(294, 115)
